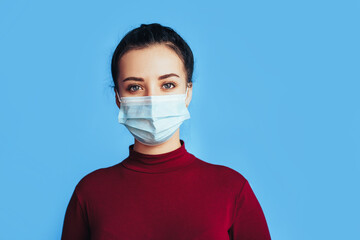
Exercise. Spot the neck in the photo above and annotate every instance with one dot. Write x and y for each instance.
(172, 144)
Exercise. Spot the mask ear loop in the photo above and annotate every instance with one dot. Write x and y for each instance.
(118, 96)
(187, 88)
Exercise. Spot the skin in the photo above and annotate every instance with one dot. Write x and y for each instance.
(149, 64)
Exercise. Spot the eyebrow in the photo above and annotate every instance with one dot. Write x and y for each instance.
(160, 78)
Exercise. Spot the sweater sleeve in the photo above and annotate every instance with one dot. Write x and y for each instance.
(249, 220)
(75, 222)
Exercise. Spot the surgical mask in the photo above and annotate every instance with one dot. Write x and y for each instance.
(152, 120)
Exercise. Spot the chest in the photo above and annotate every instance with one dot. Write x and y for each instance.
(161, 211)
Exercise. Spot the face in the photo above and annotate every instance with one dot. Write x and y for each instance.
(152, 71)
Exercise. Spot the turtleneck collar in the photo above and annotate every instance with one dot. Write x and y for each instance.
(158, 163)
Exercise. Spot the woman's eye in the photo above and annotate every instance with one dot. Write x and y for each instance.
(133, 88)
(169, 85)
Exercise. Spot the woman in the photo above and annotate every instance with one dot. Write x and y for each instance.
(160, 191)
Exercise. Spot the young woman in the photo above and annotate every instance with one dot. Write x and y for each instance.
(160, 191)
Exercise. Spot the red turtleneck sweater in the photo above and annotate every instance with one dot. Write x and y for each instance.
(168, 196)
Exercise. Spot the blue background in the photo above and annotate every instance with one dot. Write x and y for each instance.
(276, 97)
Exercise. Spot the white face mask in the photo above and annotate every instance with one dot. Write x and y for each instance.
(153, 119)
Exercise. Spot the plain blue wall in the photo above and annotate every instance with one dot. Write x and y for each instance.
(276, 97)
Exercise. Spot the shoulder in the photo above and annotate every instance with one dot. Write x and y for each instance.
(97, 179)
(222, 173)
(221, 170)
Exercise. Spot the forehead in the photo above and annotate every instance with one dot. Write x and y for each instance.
(154, 60)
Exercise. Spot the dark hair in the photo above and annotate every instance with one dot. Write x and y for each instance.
(147, 35)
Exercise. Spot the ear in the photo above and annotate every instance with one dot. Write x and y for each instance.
(189, 94)
(116, 99)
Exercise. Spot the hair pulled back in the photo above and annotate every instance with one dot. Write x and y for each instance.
(147, 35)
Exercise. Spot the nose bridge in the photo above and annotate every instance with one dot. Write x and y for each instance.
(151, 87)
(149, 90)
